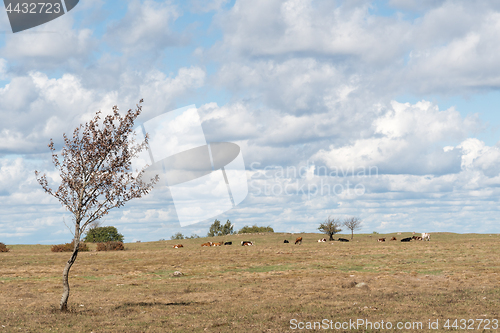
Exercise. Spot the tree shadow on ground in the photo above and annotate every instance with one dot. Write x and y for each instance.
(152, 304)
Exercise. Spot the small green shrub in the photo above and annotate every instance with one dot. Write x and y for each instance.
(255, 229)
(103, 234)
(3, 248)
(68, 247)
(110, 246)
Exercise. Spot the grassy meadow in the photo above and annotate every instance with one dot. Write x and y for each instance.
(269, 287)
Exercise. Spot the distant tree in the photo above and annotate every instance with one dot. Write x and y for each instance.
(217, 229)
(330, 227)
(102, 235)
(227, 229)
(96, 174)
(193, 236)
(177, 236)
(352, 223)
(255, 229)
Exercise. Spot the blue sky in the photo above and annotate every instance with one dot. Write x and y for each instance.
(407, 88)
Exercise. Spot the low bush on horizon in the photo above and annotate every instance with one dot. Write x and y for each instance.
(177, 236)
(68, 247)
(255, 229)
(110, 246)
(3, 248)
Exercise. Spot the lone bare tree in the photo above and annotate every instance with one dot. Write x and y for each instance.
(96, 174)
(330, 227)
(352, 223)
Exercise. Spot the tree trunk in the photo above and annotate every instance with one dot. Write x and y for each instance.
(331, 237)
(65, 295)
(352, 233)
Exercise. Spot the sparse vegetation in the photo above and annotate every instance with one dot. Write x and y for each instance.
(452, 276)
(255, 229)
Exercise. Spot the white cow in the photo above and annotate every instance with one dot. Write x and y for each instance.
(426, 236)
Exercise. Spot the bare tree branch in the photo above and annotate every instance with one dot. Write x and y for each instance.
(352, 223)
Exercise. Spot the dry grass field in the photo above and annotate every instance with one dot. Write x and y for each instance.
(261, 288)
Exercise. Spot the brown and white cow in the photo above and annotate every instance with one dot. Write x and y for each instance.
(207, 244)
(218, 244)
(245, 243)
(298, 240)
(426, 236)
(176, 246)
(381, 240)
(322, 240)
(393, 239)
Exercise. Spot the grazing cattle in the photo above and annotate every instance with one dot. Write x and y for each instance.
(207, 244)
(322, 240)
(228, 243)
(343, 240)
(426, 236)
(381, 240)
(399, 233)
(286, 241)
(244, 243)
(406, 239)
(176, 246)
(416, 238)
(393, 238)
(218, 244)
(298, 240)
